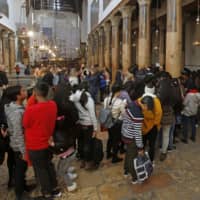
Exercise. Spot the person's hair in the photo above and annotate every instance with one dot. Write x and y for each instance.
(41, 89)
(12, 92)
(148, 100)
(115, 88)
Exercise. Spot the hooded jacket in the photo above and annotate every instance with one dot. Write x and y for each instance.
(14, 114)
(191, 103)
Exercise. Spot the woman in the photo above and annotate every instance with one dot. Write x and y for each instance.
(66, 126)
(132, 132)
(88, 126)
(117, 108)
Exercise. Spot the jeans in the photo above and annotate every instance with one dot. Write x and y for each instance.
(151, 138)
(62, 167)
(44, 170)
(20, 173)
(171, 135)
(165, 137)
(189, 121)
(131, 154)
(114, 138)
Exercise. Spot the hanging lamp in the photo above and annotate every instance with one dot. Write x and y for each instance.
(157, 31)
(197, 40)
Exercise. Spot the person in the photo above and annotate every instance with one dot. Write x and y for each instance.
(132, 133)
(117, 108)
(3, 80)
(191, 103)
(5, 140)
(17, 69)
(14, 114)
(88, 126)
(151, 124)
(66, 126)
(39, 122)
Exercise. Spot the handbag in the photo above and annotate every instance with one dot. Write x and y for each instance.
(143, 167)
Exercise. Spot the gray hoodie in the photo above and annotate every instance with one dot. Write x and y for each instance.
(14, 114)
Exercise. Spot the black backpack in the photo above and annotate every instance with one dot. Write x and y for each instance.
(97, 150)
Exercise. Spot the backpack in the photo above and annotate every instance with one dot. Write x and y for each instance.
(97, 150)
(105, 116)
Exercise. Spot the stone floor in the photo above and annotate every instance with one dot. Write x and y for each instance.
(178, 178)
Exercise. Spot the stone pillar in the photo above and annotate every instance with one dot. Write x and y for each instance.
(115, 46)
(1, 51)
(162, 43)
(89, 53)
(101, 48)
(126, 39)
(107, 29)
(144, 34)
(174, 37)
(12, 56)
(96, 48)
(5, 48)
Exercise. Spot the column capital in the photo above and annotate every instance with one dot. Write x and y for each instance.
(144, 2)
(115, 20)
(100, 31)
(127, 11)
(4, 33)
(11, 36)
(107, 27)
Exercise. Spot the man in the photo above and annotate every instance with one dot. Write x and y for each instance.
(14, 113)
(39, 122)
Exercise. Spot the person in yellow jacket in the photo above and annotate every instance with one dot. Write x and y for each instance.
(151, 123)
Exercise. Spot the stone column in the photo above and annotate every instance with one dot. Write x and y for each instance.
(162, 43)
(89, 52)
(107, 29)
(101, 48)
(126, 39)
(5, 48)
(115, 46)
(174, 37)
(12, 56)
(1, 51)
(144, 34)
(96, 48)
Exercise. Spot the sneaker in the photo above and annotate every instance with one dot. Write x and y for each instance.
(134, 182)
(56, 193)
(71, 169)
(184, 141)
(116, 160)
(163, 156)
(126, 175)
(72, 176)
(193, 139)
(170, 149)
(72, 188)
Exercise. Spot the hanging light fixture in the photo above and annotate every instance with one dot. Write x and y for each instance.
(197, 40)
(157, 31)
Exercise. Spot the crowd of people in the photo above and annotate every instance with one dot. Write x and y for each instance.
(57, 117)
